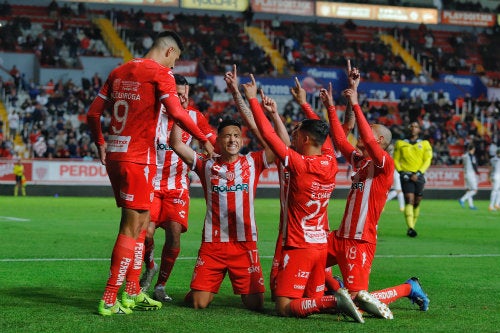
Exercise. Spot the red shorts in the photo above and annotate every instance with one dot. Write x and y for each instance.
(132, 183)
(170, 205)
(239, 259)
(354, 258)
(301, 273)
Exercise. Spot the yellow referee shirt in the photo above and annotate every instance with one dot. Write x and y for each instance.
(412, 157)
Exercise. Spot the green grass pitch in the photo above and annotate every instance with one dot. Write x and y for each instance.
(54, 261)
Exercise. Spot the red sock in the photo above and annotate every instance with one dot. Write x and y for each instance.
(121, 258)
(331, 284)
(391, 294)
(168, 258)
(149, 247)
(303, 307)
(134, 271)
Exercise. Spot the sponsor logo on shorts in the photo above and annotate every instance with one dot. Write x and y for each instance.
(253, 269)
(126, 196)
(302, 274)
(299, 286)
(320, 288)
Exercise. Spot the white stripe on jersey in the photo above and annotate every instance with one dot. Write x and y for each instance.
(243, 202)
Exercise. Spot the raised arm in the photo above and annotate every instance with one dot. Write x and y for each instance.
(231, 79)
(366, 133)
(250, 89)
(336, 131)
(186, 153)
(270, 107)
(299, 94)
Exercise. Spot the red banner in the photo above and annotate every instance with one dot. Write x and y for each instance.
(453, 17)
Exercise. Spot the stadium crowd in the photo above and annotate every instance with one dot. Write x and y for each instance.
(49, 116)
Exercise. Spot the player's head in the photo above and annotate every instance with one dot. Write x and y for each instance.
(471, 148)
(382, 135)
(229, 138)
(168, 45)
(312, 132)
(182, 87)
(414, 128)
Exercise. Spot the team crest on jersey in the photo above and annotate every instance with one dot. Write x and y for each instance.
(230, 176)
(116, 84)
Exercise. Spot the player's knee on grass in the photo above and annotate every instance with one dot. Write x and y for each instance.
(253, 302)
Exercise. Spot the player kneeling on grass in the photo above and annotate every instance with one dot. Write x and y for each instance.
(229, 243)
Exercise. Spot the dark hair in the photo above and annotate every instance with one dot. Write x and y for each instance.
(470, 146)
(180, 80)
(227, 122)
(317, 129)
(172, 34)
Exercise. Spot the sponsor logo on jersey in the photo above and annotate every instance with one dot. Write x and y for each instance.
(357, 186)
(230, 188)
(299, 286)
(163, 146)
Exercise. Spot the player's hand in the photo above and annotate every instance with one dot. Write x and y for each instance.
(326, 96)
(351, 96)
(209, 148)
(268, 104)
(250, 88)
(298, 93)
(102, 153)
(231, 79)
(353, 76)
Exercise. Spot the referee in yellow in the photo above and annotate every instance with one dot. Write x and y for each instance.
(412, 158)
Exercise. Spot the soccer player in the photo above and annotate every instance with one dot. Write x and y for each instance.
(170, 207)
(352, 246)
(300, 96)
(300, 281)
(471, 175)
(495, 181)
(133, 93)
(412, 158)
(229, 241)
(20, 178)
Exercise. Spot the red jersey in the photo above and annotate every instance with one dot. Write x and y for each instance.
(229, 193)
(310, 185)
(133, 94)
(372, 179)
(172, 172)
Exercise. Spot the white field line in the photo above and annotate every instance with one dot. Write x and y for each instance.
(265, 257)
(13, 219)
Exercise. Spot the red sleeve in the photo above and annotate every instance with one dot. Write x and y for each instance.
(308, 111)
(206, 128)
(94, 119)
(365, 132)
(267, 131)
(338, 135)
(181, 117)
